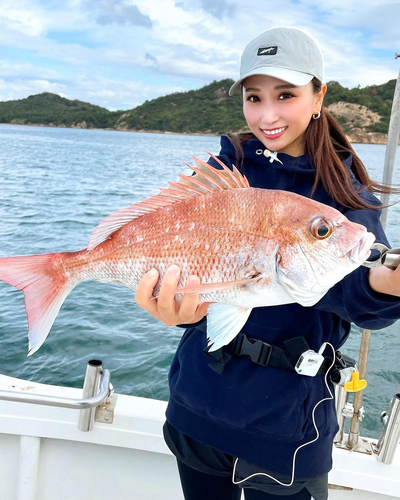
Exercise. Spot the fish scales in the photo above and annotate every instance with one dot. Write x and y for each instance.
(214, 248)
(192, 234)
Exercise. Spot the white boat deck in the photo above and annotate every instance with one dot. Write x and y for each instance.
(44, 456)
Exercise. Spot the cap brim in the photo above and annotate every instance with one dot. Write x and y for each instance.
(287, 75)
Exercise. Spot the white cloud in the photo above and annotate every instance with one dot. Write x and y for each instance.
(119, 12)
(10, 70)
(217, 8)
(144, 48)
(104, 92)
(375, 21)
(34, 18)
(20, 89)
(23, 16)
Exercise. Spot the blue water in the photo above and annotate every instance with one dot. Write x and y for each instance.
(56, 185)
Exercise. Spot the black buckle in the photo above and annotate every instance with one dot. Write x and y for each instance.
(255, 350)
(220, 359)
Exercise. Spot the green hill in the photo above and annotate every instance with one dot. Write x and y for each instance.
(208, 110)
(211, 110)
(51, 109)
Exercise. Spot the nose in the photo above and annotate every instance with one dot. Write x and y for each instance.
(269, 114)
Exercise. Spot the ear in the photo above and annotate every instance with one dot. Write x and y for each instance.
(319, 98)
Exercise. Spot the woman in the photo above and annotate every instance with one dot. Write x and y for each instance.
(232, 421)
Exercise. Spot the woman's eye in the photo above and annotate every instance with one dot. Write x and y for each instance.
(252, 98)
(284, 96)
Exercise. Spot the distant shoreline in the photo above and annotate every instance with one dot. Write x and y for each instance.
(167, 132)
(356, 136)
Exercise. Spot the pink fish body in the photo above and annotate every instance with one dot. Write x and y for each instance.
(250, 247)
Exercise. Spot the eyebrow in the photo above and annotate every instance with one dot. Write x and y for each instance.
(286, 86)
(278, 87)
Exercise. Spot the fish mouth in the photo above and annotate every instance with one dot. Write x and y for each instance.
(362, 250)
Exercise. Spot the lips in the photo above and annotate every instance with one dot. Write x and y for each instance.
(274, 133)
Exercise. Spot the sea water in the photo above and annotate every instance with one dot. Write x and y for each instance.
(56, 185)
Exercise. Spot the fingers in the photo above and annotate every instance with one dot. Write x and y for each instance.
(202, 310)
(144, 292)
(190, 302)
(384, 280)
(165, 307)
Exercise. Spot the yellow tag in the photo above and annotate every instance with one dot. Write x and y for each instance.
(355, 383)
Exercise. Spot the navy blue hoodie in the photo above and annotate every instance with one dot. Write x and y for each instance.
(263, 414)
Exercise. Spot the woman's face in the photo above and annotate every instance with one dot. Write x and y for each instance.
(278, 113)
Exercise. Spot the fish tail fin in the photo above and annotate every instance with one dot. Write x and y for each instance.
(45, 284)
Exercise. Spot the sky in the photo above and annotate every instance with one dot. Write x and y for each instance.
(119, 53)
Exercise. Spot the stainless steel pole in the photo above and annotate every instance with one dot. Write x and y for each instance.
(340, 402)
(391, 149)
(91, 386)
(392, 143)
(390, 434)
(354, 432)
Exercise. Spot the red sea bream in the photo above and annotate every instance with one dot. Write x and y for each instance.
(250, 247)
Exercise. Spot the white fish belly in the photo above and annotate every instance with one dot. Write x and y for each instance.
(249, 296)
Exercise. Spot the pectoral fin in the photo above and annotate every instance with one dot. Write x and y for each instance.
(224, 322)
(212, 287)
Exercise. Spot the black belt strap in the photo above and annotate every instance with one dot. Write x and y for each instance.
(260, 352)
(265, 354)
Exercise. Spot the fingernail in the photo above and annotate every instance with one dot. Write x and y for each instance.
(152, 273)
(194, 280)
(173, 269)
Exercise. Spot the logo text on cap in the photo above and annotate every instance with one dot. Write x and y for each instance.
(267, 51)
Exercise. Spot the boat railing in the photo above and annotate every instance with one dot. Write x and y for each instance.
(390, 435)
(97, 396)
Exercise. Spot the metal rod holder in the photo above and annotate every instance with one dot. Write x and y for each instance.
(91, 386)
(390, 434)
(354, 432)
(340, 402)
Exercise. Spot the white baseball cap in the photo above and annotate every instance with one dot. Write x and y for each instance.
(285, 53)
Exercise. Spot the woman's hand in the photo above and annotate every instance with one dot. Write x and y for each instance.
(384, 280)
(165, 308)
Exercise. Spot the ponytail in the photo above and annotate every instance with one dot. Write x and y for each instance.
(328, 146)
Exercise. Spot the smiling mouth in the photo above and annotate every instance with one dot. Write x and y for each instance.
(275, 132)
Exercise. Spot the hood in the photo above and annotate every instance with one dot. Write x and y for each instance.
(254, 149)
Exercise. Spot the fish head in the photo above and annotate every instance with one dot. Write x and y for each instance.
(322, 248)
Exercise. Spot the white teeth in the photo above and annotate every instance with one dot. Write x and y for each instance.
(275, 131)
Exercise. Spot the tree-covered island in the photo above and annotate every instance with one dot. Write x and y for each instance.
(362, 112)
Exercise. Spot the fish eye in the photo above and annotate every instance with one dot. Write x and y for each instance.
(321, 228)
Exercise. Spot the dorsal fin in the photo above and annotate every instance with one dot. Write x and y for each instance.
(207, 180)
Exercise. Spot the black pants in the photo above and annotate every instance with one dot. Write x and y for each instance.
(199, 486)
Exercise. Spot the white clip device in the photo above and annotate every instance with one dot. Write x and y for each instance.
(309, 363)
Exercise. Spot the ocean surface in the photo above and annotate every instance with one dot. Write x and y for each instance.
(56, 185)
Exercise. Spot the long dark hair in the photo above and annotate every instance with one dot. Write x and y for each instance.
(328, 146)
